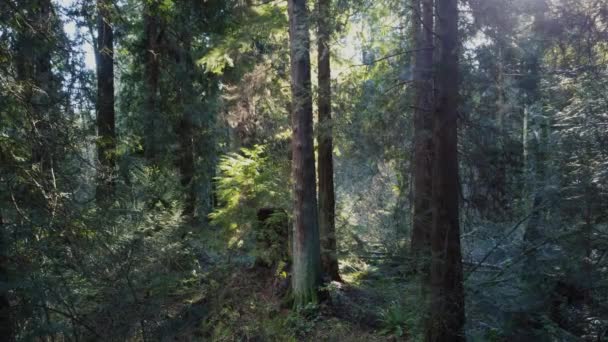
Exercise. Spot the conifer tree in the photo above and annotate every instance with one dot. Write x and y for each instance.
(446, 319)
(106, 133)
(327, 201)
(423, 36)
(306, 276)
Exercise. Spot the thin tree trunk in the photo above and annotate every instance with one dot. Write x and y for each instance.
(186, 131)
(306, 246)
(446, 319)
(106, 134)
(206, 153)
(501, 102)
(525, 148)
(151, 78)
(587, 265)
(538, 146)
(327, 201)
(43, 100)
(423, 132)
(6, 323)
(499, 187)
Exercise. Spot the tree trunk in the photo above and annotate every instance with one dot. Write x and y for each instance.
(106, 134)
(186, 131)
(587, 264)
(306, 245)
(33, 50)
(43, 78)
(151, 78)
(327, 201)
(205, 151)
(423, 132)
(537, 146)
(446, 319)
(499, 183)
(6, 324)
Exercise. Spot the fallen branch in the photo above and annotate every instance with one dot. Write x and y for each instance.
(478, 265)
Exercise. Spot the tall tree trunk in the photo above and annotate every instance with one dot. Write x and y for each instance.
(43, 100)
(205, 149)
(151, 78)
(33, 50)
(106, 134)
(423, 131)
(499, 184)
(446, 319)
(537, 146)
(186, 125)
(306, 246)
(587, 232)
(327, 201)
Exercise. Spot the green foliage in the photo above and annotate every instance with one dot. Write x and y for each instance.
(240, 40)
(111, 267)
(403, 318)
(302, 320)
(137, 269)
(394, 319)
(272, 242)
(248, 181)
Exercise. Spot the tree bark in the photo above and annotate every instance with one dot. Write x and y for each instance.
(306, 245)
(423, 132)
(151, 78)
(447, 317)
(327, 201)
(186, 126)
(43, 78)
(6, 323)
(533, 234)
(33, 49)
(106, 133)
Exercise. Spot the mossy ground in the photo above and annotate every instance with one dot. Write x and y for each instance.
(250, 305)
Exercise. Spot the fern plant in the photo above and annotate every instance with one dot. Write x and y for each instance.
(248, 181)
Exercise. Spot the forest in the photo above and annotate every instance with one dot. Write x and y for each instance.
(304, 170)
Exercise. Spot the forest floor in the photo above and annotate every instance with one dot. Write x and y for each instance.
(248, 305)
(377, 301)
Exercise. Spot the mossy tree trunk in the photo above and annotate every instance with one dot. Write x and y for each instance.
(327, 201)
(306, 246)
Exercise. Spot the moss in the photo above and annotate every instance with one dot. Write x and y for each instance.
(304, 299)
